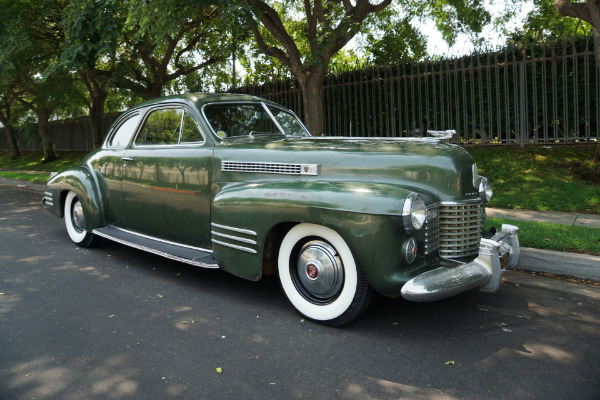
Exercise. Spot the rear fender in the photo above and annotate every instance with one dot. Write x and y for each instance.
(80, 181)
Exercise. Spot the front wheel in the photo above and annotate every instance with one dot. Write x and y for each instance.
(75, 221)
(320, 275)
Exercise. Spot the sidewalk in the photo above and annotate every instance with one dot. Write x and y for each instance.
(580, 266)
(574, 265)
(564, 218)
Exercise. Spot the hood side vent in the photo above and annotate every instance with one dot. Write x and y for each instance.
(269, 168)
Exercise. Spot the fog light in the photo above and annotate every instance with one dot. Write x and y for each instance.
(410, 250)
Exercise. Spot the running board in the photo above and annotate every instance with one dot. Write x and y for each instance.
(187, 254)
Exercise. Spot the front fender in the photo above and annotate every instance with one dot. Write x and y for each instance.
(352, 197)
(80, 181)
(361, 213)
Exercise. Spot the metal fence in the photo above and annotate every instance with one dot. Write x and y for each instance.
(524, 94)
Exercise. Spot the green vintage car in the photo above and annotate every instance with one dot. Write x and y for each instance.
(237, 182)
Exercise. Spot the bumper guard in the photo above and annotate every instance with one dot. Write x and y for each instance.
(496, 254)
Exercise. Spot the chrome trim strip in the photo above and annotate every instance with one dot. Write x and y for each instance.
(461, 203)
(162, 240)
(233, 246)
(382, 139)
(48, 194)
(47, 202)
(231, 228)
(236, 238)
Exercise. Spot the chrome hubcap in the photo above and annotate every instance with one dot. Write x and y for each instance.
(320, 270)
(77, 217)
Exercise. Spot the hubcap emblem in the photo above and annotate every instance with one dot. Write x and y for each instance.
(312, 271)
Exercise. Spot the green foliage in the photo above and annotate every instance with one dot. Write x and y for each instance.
(187, 36)
(394, 41)
(543, 235)
(544, 23)
(452, 17)
(545, 178)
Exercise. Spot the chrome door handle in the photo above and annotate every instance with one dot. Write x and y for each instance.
(126, 159)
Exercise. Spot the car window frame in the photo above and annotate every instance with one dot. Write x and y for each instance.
(122, 120)
(191, 113)
(168, 106)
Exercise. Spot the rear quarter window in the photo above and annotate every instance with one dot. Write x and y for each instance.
(124, 132)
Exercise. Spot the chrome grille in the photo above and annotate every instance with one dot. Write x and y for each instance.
(460, 230)
(432, 230)
(269, 168)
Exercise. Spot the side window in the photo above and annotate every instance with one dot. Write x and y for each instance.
(161, 127)
(189, 130)
(288, 122)
(124, 132)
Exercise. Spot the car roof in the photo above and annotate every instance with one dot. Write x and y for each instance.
(200, 99)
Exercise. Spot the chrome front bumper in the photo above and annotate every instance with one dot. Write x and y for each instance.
(500, 252)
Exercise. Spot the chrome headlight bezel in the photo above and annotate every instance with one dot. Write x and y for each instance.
(414, 213)
(485, 190)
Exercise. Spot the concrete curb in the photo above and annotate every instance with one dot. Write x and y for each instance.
(22, 184)
(574, 265)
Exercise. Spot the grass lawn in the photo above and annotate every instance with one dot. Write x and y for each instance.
(545, 178)
(543, 235)
(32, 162)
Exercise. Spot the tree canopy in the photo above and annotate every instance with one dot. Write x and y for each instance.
(92, 56)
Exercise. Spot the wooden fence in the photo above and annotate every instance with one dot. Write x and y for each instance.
(67, 135)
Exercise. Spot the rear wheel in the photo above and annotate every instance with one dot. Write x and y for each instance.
(75, 221)
(320, 275)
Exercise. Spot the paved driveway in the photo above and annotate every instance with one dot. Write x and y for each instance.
(116, 323)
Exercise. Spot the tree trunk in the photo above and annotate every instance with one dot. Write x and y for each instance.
(96, 125)
(44, 131)
(96, 114)
(588, 11)
(595, 16)
(12, 142)
(312, 100)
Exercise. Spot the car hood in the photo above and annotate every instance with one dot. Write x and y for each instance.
(438, 170)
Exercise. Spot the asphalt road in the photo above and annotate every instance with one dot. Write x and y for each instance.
(115, 323)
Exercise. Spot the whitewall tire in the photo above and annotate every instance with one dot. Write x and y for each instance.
(320, 275)
(75, 221)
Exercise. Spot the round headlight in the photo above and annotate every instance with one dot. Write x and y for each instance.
(414, 213)
(485, 190)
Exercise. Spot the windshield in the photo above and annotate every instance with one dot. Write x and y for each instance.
(250, 119)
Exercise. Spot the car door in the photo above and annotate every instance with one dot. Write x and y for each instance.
(109, 166)
(166, 178)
